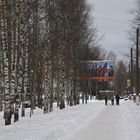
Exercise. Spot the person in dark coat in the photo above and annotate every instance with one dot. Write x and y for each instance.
(112, 99)
(117, 99)
(105, 99)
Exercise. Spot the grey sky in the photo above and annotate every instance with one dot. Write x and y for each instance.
(112, 21)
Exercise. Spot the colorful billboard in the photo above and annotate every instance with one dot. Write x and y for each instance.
(97, 70)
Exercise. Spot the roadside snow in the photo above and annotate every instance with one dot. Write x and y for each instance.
(52, 126)
(82, 122)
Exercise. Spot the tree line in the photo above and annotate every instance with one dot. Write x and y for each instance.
(41, 45)
(134, 25)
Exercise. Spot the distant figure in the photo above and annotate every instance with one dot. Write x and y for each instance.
(112, 99)
(106, 100)
(117, 99)
(137, 100)
(134, 98)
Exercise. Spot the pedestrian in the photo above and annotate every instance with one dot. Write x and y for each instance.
(137, 100)
(117, 99)
(105, 99)
(112, 99)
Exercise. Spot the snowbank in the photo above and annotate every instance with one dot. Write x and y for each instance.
(52, 126)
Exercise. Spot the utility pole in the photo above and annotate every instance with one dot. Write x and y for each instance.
(137, 62)
(131, 69)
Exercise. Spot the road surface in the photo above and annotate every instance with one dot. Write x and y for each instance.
(113, 123)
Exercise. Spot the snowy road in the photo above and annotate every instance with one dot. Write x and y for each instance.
(113, 123)
(92, 121)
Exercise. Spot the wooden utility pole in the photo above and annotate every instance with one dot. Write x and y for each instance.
(132, 71)
(137, 62)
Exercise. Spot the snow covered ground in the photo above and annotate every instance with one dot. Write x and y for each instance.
(92, 121)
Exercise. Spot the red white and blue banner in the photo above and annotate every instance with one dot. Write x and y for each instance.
(97, 70)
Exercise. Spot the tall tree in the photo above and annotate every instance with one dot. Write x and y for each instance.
(135, 12)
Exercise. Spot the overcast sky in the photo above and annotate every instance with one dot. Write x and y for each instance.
(112, 20)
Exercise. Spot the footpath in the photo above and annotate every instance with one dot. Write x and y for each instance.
(113, 123)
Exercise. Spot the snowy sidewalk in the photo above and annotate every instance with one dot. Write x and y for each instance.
(113, 123)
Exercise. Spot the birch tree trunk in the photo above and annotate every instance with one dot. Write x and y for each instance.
(9, 107)
(1, 59)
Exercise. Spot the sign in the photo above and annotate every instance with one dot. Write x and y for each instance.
(97, 70)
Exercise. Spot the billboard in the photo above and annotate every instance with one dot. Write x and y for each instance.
(97, 70)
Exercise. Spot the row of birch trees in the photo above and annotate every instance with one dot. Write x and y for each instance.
(134, 25)
(41, 44)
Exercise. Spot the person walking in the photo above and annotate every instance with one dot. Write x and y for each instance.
(112, 99)
(105, 99)
(117, 99)
(137, 100)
